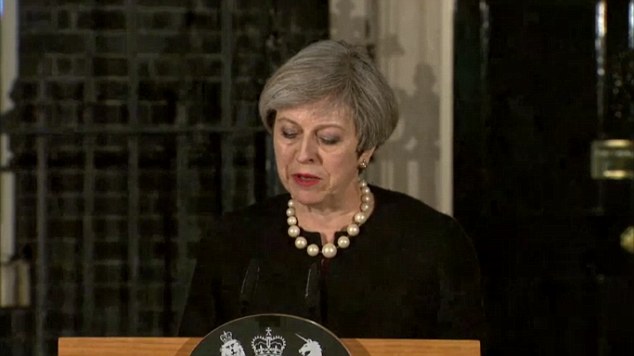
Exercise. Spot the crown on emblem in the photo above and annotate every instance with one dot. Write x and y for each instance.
(269, 345)
(226, 337)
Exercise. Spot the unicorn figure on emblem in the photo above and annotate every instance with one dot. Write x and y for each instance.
(310, 347)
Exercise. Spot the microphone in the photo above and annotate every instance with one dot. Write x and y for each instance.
(312, 294)
(249, 284)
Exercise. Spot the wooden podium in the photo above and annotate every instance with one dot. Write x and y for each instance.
(183, 346)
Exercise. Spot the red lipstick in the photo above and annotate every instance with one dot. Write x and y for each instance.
(305, 180)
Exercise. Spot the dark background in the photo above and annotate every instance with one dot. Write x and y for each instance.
(135, 122)
(526, 111)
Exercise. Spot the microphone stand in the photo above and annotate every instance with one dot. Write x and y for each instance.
(249, 284)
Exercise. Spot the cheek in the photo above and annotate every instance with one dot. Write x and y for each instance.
(281, 156)
(340, 164)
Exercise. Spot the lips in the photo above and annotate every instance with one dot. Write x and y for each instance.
(305, 180)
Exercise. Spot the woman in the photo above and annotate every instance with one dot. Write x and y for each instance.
(363, 261)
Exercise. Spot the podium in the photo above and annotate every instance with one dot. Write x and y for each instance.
(183, 346)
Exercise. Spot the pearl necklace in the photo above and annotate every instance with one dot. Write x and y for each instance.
(329, 250)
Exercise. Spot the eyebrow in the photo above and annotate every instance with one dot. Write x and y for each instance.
(333, 124)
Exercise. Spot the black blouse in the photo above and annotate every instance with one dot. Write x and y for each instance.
(410, 273)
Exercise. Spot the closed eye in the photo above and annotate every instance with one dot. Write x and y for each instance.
(328, 140)
(289, 133)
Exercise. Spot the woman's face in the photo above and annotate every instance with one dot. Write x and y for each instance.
(315, 150)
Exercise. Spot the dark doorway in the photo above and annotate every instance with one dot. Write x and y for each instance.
(529, 102)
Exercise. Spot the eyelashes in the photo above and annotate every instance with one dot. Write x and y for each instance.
(289, 134)
(325, 139)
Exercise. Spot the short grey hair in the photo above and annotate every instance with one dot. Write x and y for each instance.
(341, 74)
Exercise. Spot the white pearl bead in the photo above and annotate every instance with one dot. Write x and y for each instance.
(312, 250)
(329, 250)
(293, 231)
(360, 218)
(353, 229)
(301, 243)
(343, 242)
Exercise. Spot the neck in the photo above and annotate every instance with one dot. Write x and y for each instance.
(328, 224)
(327, 220)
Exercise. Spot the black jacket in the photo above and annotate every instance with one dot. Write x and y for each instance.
(410, 273)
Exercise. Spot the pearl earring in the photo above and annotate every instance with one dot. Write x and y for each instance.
(363, 164)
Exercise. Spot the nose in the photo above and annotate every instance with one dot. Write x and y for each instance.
(308, 150)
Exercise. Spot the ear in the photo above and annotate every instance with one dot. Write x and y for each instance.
(366, 155)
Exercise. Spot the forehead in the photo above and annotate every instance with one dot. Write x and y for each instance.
(321, 112)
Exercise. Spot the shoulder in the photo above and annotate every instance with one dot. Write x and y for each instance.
(420, 222)
(248, 222)
(409, 210)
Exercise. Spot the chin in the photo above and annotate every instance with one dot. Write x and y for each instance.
(307, 198)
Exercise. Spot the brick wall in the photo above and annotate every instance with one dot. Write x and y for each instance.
(124, 148)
